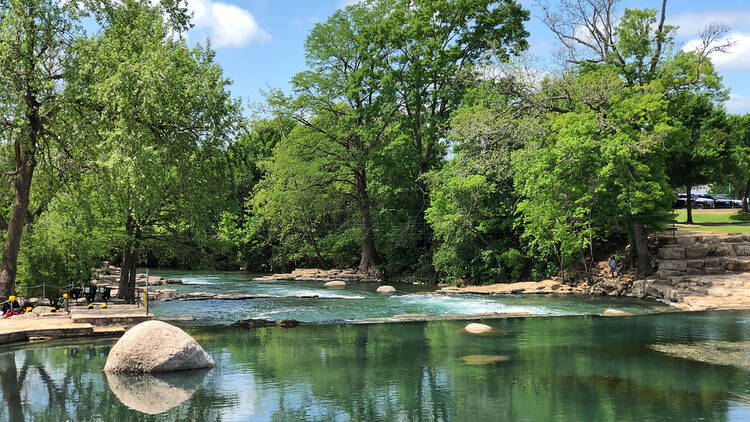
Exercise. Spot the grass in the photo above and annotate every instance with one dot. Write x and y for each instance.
(715, 221)
(725, 216)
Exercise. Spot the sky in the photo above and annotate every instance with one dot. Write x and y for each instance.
(260, 43)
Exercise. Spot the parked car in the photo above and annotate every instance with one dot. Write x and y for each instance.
(720, 201)
(726, 201)
(697, 201)
(702, 201)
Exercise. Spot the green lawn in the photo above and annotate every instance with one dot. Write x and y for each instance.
(716, 221)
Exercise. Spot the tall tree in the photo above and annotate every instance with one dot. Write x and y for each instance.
(347, 99)
(434, 44)
(739, 148)
(638, 46)
(163, 117)
(697, 144)
(34, 40)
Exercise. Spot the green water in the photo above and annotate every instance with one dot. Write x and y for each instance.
(579, 368)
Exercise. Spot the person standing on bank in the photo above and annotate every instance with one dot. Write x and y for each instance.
(613, 267)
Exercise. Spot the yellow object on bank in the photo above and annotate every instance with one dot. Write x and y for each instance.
(29, 309)
(12, 298)
(104, 306)
(65, 295)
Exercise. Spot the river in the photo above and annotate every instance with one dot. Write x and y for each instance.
(560, 368)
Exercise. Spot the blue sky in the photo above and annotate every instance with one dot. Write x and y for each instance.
(260, 43)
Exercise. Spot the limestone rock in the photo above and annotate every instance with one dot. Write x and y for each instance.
(483, 359)
(42, 309)
(696, 252)
(672, 252)
(477, 328)
(335, 284)
(673, 265)
(615, 312)
(386, 289)
(155, 346)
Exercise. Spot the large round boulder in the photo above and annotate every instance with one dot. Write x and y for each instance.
(155, 346)
(477, 328)
(386, 289)
(334, 283)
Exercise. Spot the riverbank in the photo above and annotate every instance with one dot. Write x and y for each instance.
(692, 273)
(80, 322)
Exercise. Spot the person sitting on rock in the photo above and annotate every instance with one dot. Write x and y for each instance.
(613, 267)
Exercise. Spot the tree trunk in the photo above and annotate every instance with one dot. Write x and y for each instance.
(640, 239)
(314, 244)
(126, 286)
(22, 189)
(370, 258)
(689, 205)
(425, 241)
(122, 286)
(744, 198)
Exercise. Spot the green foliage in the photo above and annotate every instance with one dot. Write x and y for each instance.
(61, 248)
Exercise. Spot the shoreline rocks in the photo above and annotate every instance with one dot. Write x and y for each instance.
(315, 274)
(155, 346)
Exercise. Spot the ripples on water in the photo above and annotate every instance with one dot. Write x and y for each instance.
(537, 369)
(360, 301)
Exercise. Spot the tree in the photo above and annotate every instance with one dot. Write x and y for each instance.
(697, 150)
(163, 118)
(739, 147)
(347, 99)
(435, 45)
(639, 49)
(34, 39)
(305, 205)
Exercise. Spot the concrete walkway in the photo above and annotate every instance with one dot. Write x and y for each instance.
(79, 322)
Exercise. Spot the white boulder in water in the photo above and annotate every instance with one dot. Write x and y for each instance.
(386, 289)
(335, 284)
(477, 328)
(155, 346)
(615, 312)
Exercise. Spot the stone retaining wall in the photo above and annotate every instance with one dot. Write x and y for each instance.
(702, 255)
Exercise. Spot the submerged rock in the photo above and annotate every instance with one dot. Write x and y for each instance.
(483, 359)
(615, 312)
(260, 323)
(155, 346)
(477, 328)
(335, 284)
(716, 352)
(386, 289)
(155, 393)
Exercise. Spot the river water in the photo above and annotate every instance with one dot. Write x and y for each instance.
(567, 368)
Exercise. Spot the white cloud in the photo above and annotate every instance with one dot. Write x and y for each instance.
(691, 23)
(738, 104)
(737, 57)
(225, 24)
